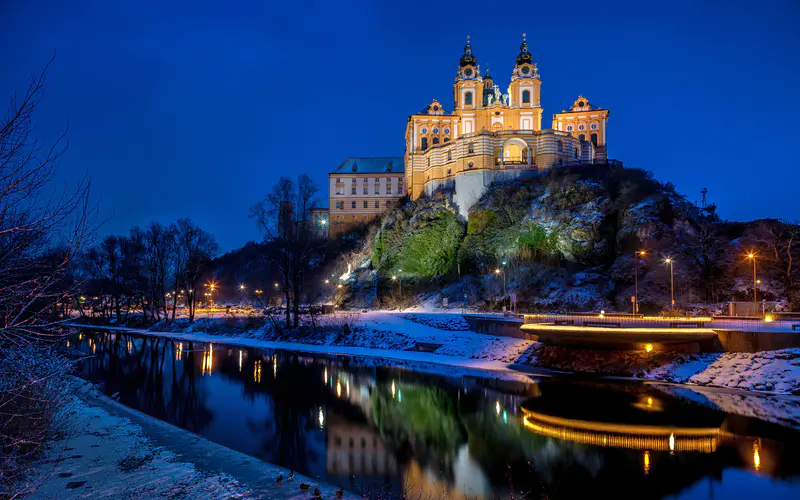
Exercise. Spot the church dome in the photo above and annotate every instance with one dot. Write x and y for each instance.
(524, 56)
(468, 59)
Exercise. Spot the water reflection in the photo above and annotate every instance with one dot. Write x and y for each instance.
(385, 431)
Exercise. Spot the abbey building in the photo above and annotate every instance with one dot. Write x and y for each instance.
(488, 136)
(493, 136)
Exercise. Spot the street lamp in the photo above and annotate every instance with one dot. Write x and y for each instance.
(752, 256)
(669, 261)
(498, 271)
(212, 287)
(637, 255)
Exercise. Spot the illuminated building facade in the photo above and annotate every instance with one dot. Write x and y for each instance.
(362, 189)
(492, 136)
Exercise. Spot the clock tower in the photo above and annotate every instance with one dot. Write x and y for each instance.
(468, 89)
(525, 88)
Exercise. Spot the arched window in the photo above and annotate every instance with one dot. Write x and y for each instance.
(594, 139)
(449, 155)
(560, 146)
(436, 140)
(526, 97)
(446, 139)
(468, 99)
(582, 137)
(424, 143)
(471, 148)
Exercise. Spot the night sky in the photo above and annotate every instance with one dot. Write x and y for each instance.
(196, 110)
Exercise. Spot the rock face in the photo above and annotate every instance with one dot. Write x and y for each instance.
(568, 237)
(361, 289)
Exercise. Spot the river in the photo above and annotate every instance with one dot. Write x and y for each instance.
(385, 432)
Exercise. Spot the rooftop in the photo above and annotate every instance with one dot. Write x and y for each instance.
(371, 165)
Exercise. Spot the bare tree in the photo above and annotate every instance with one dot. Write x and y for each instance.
(284, 217)
(194, 249)
(41, 232)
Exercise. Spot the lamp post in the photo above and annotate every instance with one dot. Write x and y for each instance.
(637, 255)
(669, 261)
(752, 256)
(242, 289)
(498, 271)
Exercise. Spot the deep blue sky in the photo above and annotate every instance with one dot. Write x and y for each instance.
(196, 110)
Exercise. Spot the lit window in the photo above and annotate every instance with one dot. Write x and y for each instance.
(468, 98)
(366, 188)
(526, 97)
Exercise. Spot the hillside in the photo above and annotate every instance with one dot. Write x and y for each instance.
(568, 238)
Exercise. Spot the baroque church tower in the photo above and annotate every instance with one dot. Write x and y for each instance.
(491, 136)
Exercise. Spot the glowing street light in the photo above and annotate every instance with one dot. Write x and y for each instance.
(669, 261)
(636, 257)
(498, 271)
(752, 256)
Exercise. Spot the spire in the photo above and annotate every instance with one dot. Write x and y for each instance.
(468, 59)
(524, 56)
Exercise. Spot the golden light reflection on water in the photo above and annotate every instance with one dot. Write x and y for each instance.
(178, 351)
(241, 354)
(321, 418)
(274, 367)
(646, 462)
(257, 371)
(129, 346)
(208, 360)
(756, 455)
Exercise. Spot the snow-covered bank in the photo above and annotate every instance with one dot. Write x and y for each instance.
(441, 340)
(111, 451)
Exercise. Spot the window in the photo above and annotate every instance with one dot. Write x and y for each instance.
(446, 139)
(446, 130)
(367, 206)
(435, 130)
(436, 140)
(594, 126)
(366, 187)
(388, 188)
(353, 204)
(569, 128)
(560, 146)
(582, 137)
(424, 144)
(377, 204)
(471, 148)
(468, 98)
(339, 205)
(340, 190)
(581, 127)
(338, 179)
(526, 97)
(353, 188)
(424, 130)
(594, 139)
(449, 155)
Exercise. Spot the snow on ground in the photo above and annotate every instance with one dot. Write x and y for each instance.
(111, 451)
(444, 321)
(402, 337)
